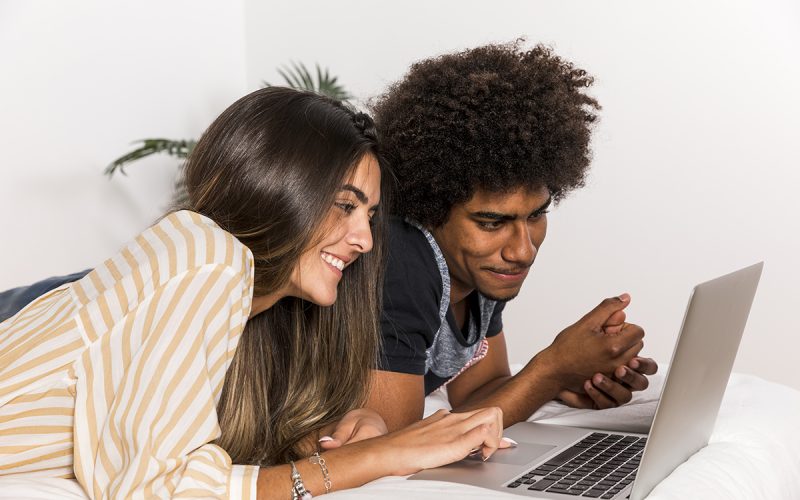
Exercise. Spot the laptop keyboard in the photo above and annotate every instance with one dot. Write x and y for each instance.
(598, 466)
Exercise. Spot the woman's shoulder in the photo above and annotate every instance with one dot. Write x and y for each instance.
(181, 242)
(187, 240)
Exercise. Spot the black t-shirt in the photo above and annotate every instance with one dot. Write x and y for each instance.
(420, 335)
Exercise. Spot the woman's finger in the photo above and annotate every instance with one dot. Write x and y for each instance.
(486, 424)
(507, 442)
(344, 431)
(328, 443)
(367, 431)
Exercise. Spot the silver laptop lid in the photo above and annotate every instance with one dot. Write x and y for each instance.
(700, 367)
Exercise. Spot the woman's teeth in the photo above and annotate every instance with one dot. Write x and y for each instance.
(330, 259)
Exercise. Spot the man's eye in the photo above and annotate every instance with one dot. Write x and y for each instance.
(538, 215)
(490, 225)
(346, 207)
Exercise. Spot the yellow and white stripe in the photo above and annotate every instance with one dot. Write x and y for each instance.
(114, 379)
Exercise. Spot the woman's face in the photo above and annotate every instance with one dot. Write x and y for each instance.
(346, 235)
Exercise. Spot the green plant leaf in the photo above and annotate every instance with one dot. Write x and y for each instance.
(297, 75)
(171, 147)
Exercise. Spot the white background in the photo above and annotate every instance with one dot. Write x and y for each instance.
(81, 80)
(695, 168)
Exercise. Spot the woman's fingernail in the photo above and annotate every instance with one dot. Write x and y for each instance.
(474, 451)
(325, 439)
(510, 441)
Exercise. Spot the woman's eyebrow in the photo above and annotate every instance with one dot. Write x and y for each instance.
(363, 198)
(359, 193)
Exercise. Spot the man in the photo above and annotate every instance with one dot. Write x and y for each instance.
(482, 142)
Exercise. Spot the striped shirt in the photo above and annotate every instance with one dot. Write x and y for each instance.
(114, 379)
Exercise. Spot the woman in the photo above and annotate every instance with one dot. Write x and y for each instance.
(211, 355)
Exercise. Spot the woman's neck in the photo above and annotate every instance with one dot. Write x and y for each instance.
(264, 302)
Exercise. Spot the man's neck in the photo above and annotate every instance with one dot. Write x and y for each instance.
(458, 292)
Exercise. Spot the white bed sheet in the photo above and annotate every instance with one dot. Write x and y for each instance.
(752, 453)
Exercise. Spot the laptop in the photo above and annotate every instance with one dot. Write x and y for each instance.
(570, 462)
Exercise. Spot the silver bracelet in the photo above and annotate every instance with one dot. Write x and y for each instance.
(326, 478)
(299, 491)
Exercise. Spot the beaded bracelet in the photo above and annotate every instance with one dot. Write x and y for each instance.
(299, 491)
(326, 478)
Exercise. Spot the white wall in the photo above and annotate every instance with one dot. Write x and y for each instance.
(80, 81)
(695, 169)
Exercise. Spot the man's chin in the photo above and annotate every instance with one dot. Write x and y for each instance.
(499, 295)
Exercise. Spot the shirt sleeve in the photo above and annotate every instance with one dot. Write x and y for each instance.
(496, 321)
(411, 297)
(146, 393)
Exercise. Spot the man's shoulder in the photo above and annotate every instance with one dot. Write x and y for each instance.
(407, 234)
(411, 256)
(413, 288)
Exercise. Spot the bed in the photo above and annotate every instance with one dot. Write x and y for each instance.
(753, 453)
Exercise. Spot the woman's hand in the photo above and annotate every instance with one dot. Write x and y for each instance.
(356, 425)
(446, 437)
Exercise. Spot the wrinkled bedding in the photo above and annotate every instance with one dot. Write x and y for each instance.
(752, 454)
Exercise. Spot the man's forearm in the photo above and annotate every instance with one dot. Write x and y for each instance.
(519, 396)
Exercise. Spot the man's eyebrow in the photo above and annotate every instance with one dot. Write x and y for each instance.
(494, 216)
(544, 206)
(359, 194)
(507, 217)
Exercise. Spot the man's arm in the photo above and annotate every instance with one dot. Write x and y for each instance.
(398, 397)
(490, 383)
(572, 362)
(577, 354)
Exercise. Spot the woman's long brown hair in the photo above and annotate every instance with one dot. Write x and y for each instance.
(267, 171)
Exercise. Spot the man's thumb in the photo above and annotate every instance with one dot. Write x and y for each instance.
(598, 316)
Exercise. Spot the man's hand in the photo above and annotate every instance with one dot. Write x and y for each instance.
(598, 343)
(356, 425)
(601, 392)
(607, 391)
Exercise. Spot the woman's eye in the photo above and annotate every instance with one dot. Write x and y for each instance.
(346, 207)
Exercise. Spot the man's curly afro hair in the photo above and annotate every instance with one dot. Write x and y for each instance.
(495, 117)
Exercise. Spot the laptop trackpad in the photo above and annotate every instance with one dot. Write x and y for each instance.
(521, 455)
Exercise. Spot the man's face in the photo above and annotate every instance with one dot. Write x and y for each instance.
(491, 241)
